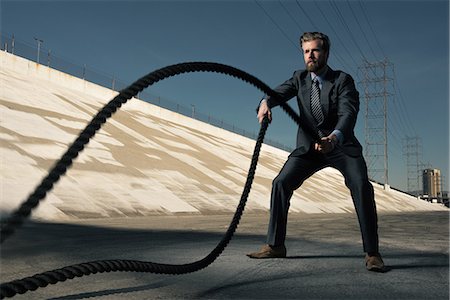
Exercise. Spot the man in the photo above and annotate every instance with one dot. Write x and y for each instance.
(329, 102)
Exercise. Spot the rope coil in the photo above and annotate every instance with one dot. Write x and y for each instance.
(20, 286)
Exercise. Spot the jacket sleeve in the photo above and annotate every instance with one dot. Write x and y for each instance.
(348, 106)
(284, 92)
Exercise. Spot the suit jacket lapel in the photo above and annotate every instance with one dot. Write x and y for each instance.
(327, 86)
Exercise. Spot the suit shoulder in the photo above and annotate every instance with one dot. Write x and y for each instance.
(341, 75)
(300, 74)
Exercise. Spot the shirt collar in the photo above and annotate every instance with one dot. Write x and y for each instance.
(319, 78)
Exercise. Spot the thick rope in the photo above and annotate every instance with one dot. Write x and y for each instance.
(21, 286)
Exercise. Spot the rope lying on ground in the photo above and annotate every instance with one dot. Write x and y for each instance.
(20, 286)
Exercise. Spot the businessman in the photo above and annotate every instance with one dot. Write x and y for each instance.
(328, 104)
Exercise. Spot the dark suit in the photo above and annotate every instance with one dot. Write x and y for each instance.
(340, 106)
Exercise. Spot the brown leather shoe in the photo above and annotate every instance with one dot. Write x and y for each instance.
(374, 263)
(268, 251)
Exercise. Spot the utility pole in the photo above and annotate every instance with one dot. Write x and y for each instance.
(39, 42)
(378, 84)
(12, 44)
(48, 59)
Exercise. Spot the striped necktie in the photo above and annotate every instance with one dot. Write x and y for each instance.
(316, 107)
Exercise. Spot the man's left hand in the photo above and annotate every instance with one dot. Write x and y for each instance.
(326, 144)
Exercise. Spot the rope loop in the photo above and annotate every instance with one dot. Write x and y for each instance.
(20, 286)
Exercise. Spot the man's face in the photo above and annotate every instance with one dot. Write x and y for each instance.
(314, 55)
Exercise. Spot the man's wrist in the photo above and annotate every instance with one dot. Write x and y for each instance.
(337, 134)
(334, 141)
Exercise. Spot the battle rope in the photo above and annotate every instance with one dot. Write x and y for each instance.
(20, 286)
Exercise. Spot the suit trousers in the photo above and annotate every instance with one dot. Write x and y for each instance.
(298, 168)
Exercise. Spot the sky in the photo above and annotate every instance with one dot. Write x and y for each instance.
(129, 39)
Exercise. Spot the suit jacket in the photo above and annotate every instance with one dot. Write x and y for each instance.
(340, 106)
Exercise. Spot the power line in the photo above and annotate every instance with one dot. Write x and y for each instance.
(404, 110)
(361, 28)
(298, 25)
(371, 28)
(290, 15)
(342, 19)
(278, 26)
(307, 15)
(399, 119)
(403, 119)
(338, 12)
(337, 36)
(393, 118)
(335, 53)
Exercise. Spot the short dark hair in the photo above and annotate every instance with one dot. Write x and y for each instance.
(310, 36)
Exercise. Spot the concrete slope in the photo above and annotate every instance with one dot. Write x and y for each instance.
(145, 160)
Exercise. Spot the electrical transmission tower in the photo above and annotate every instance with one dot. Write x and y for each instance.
(412, 150)
(378, 85)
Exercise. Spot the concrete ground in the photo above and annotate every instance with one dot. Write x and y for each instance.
(325, 259)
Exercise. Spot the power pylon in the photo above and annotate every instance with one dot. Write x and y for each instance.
(378, 85)
(412, 150)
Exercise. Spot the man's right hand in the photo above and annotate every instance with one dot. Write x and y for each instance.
(264, 110)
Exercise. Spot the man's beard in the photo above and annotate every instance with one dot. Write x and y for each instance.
(314, 66)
